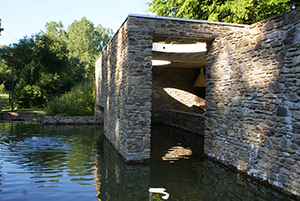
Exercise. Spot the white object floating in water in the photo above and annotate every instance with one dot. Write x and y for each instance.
(160, 191)
(34, 139)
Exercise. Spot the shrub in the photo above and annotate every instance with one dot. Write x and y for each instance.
(80, 101)
(3, 103)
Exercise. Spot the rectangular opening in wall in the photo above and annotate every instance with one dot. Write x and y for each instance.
(173, 83)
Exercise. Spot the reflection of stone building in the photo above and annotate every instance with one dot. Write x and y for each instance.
(252, 91)
(130, 91)
(195, 178)
(114, 179)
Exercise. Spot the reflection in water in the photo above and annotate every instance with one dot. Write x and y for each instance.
(115, 179)
(198, 178)
(78, 163)
(177, 152)
(52, 162)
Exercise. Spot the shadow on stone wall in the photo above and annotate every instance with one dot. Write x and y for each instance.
(253, 100)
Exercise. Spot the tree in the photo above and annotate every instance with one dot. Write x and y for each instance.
(54, 29)
(232, 11)
(85, 42)
(4, 72)
(103, 36)
(40, 65)
(50, 63)
(81, 42)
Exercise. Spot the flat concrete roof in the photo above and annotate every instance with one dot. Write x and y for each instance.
(184, 20)
(176, 19)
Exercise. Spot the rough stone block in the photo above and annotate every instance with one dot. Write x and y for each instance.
(289, 36)
(236, 101)
(146, 142)
(276, 44)
(161, 31)
(292, 97)
(296, 60)
(227, 110)
(281, 111)
(280, 56)
(275, 87)
(296, 115)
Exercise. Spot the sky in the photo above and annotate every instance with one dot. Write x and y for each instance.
(26, 17)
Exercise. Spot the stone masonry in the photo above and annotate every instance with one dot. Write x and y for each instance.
(123, 90)
(124, 77)
(252, 92)
(252, 100)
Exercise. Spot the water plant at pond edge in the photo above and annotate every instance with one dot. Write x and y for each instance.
(80, 101)
(155, 197)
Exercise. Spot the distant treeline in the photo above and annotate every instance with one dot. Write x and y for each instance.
(50, 63)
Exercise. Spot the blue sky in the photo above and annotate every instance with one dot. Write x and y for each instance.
(26, 17)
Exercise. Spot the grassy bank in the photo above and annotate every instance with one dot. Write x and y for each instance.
(80, 101)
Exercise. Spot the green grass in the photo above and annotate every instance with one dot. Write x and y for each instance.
(4, 96)
(80, 101)
(4, 100)
(24, 110)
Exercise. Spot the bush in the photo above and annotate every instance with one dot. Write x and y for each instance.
(3, 103)
(80, 101)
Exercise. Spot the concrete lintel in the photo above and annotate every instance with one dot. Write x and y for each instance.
(184, 20)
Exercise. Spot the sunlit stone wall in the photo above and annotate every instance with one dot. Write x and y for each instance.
(253, 104)
(175, 101)
(124, 78)
(123, 89)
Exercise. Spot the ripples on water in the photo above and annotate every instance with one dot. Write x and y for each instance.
(48, 163)
(78, 163)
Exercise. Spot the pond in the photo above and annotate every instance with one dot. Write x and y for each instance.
(50, 162)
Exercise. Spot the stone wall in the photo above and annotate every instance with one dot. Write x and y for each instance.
(253, 105)
(67, 120)
(187, 121)
(181, 79)
(124, 77)
(123, 89)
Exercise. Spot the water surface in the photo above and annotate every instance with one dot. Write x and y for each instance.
(78, 163)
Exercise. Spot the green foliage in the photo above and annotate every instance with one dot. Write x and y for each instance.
(232, 11)
(80, 101)
(85, 42)
(40, 65)
(3, 97)
(155, 197)
(5, 77)
(3, 103)
(103, 36)
(50, 63)
(41, 110)
(2, 88)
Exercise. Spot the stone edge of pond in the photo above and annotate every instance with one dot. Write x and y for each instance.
(68, 120)
(39, 117)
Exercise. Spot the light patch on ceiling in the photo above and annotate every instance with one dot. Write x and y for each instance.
(179, 48)
(160, 62)
(185, 97)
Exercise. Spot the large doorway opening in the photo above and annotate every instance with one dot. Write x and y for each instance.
(176, 89)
